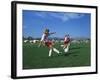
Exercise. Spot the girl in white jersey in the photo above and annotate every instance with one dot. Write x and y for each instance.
(47, 42)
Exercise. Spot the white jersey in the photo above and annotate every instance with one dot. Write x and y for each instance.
(44, 37)
(65, 39)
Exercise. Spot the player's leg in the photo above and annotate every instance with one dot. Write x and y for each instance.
(40, 43)
(50, 45)
(50, 51)
(50, 48)
(67, 47)
(54, 49)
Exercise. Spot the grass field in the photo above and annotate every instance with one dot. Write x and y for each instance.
(35, 58)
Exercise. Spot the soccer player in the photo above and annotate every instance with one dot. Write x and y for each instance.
(44, 37)
(66, 43)
(48, 42)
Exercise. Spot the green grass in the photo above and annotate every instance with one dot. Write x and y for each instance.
(35, 58)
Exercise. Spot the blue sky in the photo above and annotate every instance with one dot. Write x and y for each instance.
(74, 24)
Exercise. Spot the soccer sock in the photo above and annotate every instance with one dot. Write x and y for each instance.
(50, 51)
(66, 49)
(55, 50)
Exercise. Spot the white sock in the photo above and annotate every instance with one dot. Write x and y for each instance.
(66, 49)
(55, 50)
(50, 51)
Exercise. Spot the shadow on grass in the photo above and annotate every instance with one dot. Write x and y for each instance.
(73, 53)
(75, 48)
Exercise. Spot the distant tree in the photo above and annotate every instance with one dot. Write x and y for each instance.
(38, 38)
(24, 38)
(29, 38)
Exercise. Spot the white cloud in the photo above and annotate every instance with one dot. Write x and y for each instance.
(67, 16)
(41, 14)
(62, 16)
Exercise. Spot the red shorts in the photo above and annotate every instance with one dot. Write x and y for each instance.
(66, 42)
(48, 44)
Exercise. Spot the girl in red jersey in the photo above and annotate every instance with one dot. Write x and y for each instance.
(66, 43)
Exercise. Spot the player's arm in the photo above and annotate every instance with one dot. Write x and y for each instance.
(52, 33)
